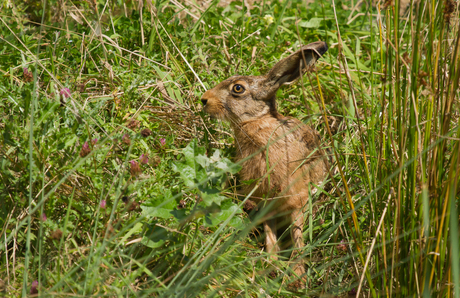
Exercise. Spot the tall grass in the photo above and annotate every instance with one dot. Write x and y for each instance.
(422, 60)
(83, 212)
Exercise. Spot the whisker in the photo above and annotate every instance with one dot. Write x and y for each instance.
(237, 125)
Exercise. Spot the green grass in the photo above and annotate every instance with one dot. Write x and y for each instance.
(84, 213)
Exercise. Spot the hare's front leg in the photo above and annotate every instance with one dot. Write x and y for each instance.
(271, 244)
(297, 218)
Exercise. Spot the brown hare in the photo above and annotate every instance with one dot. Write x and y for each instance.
(280, 154)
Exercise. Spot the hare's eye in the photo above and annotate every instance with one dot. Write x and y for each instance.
(238, 88)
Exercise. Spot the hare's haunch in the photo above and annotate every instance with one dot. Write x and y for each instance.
(262, 135)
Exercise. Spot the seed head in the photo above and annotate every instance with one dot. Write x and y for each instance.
(56, 235)
(133, 124)
(135, 168)
(144, 159)
(28, 75)
(125, 139)
(146, 132)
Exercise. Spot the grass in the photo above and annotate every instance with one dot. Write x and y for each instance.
(114, 183)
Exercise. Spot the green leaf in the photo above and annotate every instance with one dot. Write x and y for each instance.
(210, 196)
(203, 161)
(187, 173)
(161, 206)
(191, 152)
(134, 230)
(227, 165)
(191, 171)
(180, 215)
(155, 236)
(227, 208)
(352, 57)
(71, 141)
(312, 23)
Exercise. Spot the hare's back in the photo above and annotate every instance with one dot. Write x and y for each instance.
(314, 159)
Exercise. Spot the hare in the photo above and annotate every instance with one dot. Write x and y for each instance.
(279, 153)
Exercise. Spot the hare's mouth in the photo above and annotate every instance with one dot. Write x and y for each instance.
(214, 111)
(218, 116)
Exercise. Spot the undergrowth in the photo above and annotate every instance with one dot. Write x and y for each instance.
(114, 183)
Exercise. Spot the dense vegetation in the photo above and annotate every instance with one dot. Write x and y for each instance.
(114, 183)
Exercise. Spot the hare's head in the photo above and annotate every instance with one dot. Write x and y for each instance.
(243, 98)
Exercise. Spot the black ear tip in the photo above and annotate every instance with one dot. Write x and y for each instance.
(325, 48)
(321, 47)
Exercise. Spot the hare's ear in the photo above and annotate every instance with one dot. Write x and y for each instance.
(289, 69)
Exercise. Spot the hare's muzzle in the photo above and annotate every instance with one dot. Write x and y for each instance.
(212, 105)
(205, 97)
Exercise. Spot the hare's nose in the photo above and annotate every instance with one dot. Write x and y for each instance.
(205, 97)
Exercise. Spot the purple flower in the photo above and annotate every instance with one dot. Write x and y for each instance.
(65, 93)
(94, 141)
(352, 292)
(103, 204)
(85, 150)
(43, 216)
(34, 288)
(135, 168)
(163, 141)
(144, 159)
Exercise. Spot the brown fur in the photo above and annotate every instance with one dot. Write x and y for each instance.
(294, 159)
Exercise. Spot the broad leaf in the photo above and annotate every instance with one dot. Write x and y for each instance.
(160, 206)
